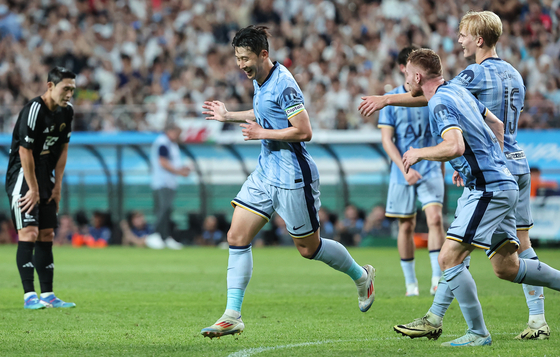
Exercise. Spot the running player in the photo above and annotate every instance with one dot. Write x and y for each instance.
(500, 88)
(286, 179)
(409, 127)
(472, 141)
(39, 147)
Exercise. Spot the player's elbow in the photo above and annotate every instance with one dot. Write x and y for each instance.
(457, 149)
(307, 135)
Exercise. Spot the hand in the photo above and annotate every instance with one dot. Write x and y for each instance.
(251, 130)
(27, 202)
(411, 157)
(56, 197)
(412, 177)
(371, 104)
(216, 110)
(184, 171)
(457, 179)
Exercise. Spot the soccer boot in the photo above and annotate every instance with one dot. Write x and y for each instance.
(412, 289)
(420, 328)
(468, 340)
(366, 290)
(541, 333)
(226, 325)
(32, 302)
(52, 301)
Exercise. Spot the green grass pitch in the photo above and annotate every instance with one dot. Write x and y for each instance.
(140, 302)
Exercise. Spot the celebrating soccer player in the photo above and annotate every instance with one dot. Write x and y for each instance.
(286, 180)
(500, 88)
(410, 127)
(39, 147)
(472, 141)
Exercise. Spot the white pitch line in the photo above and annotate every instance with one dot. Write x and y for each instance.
(253, 351)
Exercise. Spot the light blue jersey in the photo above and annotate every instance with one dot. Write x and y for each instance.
(412, 128)
(483, 165)
(281, 164)
(500, 88)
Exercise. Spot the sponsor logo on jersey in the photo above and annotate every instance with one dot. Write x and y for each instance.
(466, 76)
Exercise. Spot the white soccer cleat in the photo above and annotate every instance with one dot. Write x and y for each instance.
(468, 340)
(541, 333)
(173, 244)
(226, 325)
(154, 241)
(421, 327)
(412, 289)
(366, 290)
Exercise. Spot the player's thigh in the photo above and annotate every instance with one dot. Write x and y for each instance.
(401, 201)
(505, 237)
(244, 227)
(523, 216)
(299, 208)
(453, 253)
(480, 216)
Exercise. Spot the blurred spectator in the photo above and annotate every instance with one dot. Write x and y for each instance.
(326, 222)
(211, 234)
(66, 229)
(166, 163)
(130, 51)
(538, 184)
(100, 231)
(377, 224)
(281, 232)
(135, 229)
(350, 227)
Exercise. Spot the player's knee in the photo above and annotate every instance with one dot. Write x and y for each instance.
(46, 236)
(407, 226)
(506, 272)
(234, 238)
(435, 221)
(28, 234)
(307, 252)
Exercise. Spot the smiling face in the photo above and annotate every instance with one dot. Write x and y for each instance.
(62, 92)
(412, 77)
(251, 63)
(468, 42)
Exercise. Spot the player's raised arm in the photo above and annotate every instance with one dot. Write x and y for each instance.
(216, 110)
(372, 103)
(300, 130)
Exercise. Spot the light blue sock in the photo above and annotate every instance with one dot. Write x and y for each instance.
(240, 269)
(407, 266)
(533, 294)
(337, 257)
(442, 299)
(436, 271)
(535, 272)
(463, 287)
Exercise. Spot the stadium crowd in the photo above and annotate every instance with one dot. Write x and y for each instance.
(141, 62)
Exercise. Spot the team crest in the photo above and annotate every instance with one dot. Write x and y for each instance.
(62, 126)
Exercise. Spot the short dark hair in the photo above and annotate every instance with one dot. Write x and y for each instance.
(57, 74)
(255, 38)
(402, 57)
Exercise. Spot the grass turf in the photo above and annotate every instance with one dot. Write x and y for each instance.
(140, 302)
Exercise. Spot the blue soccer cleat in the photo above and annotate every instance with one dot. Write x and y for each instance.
(468, 340)
(52, 301)
(33, 303)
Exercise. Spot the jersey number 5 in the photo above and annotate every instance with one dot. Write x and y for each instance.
(508, 98)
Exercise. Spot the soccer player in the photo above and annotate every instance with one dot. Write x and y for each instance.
(500, 88)
(409, 127)
(472, 141)
(39, 147)
(286, 179)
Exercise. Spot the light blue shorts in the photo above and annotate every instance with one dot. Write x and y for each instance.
(523, 216)
(299, 208)
(485, 220)
(401, 199)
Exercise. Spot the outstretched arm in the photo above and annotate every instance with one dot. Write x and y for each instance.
(451, 147)
(299, 131)
(373, 103)
(216, 110)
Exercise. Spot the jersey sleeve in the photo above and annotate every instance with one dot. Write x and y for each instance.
(28, 125)
(386, 117)
(291, 97)
(471, 78)
(67, 132)
(443, 118)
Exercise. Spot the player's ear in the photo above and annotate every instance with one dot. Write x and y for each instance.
(264, 54)
(50, 85)
(479, 41)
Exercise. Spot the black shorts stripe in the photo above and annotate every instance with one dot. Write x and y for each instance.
(241, 203)
(307, 179)
(476, 218)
